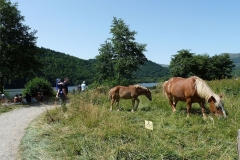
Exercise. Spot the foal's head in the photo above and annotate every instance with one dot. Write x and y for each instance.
(148, 94)
(143, 90)
(217, 106)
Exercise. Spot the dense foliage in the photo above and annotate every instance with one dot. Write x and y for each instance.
(38, 85)
(186, 64)
(19, 56)
(120, 56)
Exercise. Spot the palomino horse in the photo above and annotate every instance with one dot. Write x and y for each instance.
(131, 92)
(193, 90)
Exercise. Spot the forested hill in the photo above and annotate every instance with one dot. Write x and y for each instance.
(57, 64)
(235, 57)
(151, 72)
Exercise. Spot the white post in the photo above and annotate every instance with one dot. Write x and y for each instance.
(238, 144)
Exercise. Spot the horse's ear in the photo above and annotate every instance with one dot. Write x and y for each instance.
(211, 99)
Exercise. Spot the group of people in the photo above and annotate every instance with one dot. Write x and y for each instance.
(62, 90)
(82, 87)
(18, 98)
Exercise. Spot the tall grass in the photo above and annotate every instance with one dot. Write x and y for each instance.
(88, 130)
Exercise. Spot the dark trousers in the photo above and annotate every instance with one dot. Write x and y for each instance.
(62, 100)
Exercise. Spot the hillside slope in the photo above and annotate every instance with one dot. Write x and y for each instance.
(57, 64)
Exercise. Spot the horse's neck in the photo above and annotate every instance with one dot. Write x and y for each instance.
(142, 92)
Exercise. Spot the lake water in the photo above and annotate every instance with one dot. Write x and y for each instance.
(13, 92)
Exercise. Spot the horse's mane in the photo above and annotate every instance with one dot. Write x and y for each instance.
(138, 86)
(203, 90)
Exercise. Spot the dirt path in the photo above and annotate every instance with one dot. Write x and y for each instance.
(12, 128)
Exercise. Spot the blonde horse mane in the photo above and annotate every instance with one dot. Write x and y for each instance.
(203, 90)
(138, 86)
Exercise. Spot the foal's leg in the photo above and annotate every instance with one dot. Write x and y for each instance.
(112, 102)
(138, 101)
(117, 102)
(133, 104)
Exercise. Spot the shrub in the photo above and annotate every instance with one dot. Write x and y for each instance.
(38, 85)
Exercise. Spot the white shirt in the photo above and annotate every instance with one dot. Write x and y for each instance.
(83, 85)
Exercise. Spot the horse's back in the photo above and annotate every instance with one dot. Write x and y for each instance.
(113, 91)
(179, 87)
(120, 92)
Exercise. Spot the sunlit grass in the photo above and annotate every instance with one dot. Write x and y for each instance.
(88, 130)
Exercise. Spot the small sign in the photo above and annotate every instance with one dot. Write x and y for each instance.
(149, 125)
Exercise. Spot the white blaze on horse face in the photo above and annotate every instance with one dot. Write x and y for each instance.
(220, 104)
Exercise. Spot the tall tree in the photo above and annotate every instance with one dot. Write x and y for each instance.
(104, 64)
(180, 65)
(126, 53)
(18, 54)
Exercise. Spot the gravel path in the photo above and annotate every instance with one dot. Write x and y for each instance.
(12, 128)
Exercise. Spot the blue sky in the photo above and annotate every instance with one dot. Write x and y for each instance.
(79, 27)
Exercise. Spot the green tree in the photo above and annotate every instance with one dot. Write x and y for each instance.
(39, 85)
(18, 54)
(186, 64)
(222, 66)
(181, 63)
(104, 64)
(126, 53)
(201, 66)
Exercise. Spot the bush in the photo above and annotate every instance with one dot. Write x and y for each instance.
(38, 85)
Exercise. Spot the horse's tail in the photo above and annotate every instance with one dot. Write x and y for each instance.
(110, 94)
(163, 88)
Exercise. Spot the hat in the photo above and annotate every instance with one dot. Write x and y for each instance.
(58, 80)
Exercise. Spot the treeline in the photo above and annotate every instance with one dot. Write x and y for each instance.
(151, 72)
(186, 64)
(59, 65)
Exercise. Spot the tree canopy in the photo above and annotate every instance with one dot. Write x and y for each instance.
(186, 64)
(18, 54)
(121, 55)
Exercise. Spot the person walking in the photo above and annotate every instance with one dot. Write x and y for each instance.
(83, 86)
(63, 94)
(59, 84)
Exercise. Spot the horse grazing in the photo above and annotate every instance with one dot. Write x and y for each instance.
(193, 90)
(130, 92)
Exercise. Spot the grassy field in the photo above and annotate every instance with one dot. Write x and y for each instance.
(88, 130)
